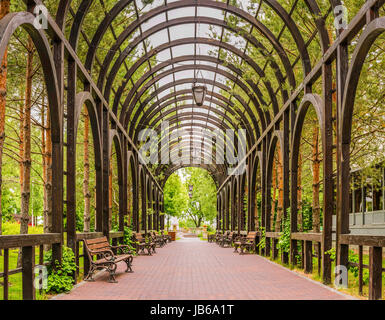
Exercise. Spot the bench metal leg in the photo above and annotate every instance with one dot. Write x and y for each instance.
(129, 265)
(90, 274)
(111, 269)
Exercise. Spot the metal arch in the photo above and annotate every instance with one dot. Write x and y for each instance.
(101, 30)
(198, 58)
(191, 106)
(163, 118)
(365, 42)
(192, 131)
(171, 44)
(320, 24)
(183, 145)
(277, 137)
(78, 22)
(178, 97)
(198, 80)
(61, 13)
(256, 164)
(175, 120)
(190, 80)
(154, 51)
(219, 6)
(184, 58)
(85, 98)
(213, 169)
(231, 109)
(292, 27)
(8, 26)
(186, 161)
(307, 101)
(129, 103)
(114, 140)
(176, 168)
(198, 134)
(186, 146)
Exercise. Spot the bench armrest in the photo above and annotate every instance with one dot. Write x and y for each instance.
(123, 248)
(107, 254)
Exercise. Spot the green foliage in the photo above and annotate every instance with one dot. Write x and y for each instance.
(202, 205)
(353, 257)
(127, 238)
(175, 196)
(60, 276)
(284, 239)
(262, 242)
(307, 215)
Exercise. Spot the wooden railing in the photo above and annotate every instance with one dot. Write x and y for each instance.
(375, 244)
(27, 243)
(311, 244)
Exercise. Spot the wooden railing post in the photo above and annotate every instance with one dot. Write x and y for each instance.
(275, 249)
(308, 257)
(86, 262)
(360, 269)
(375, 273)
(28, 264)
(6, 269)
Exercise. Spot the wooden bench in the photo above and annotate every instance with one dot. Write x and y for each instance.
(141, 244)
(228, 240)
(167, 237)
(248, 242)
(212, 237)
(221, 237)
(159, 240)
(106, 259)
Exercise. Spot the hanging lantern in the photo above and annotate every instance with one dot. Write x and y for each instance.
(199, 93)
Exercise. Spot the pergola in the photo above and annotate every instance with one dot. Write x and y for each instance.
(271, 106)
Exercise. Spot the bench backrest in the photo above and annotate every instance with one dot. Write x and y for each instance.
(97, 244)
(251, 235)
(139, 237)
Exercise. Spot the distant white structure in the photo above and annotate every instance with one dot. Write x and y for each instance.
(171, 221)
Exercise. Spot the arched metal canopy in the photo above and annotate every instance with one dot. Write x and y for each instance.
(176, 44)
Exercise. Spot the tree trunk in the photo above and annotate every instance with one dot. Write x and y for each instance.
(299, 194)
(274, 186)
(86, 181)
(280, 193)
(4, 9)
(26, 187)
(316, 174)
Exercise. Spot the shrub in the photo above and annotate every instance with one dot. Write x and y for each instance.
(127, 238)
(60, 278)
(262, 243)
(284, 239)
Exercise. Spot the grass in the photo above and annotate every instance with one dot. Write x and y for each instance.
(353, 282)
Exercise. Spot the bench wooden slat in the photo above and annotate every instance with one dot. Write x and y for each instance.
(97, 240)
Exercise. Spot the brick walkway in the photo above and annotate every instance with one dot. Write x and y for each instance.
(193, 269)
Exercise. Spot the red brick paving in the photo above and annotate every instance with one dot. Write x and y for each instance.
(194, 269)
